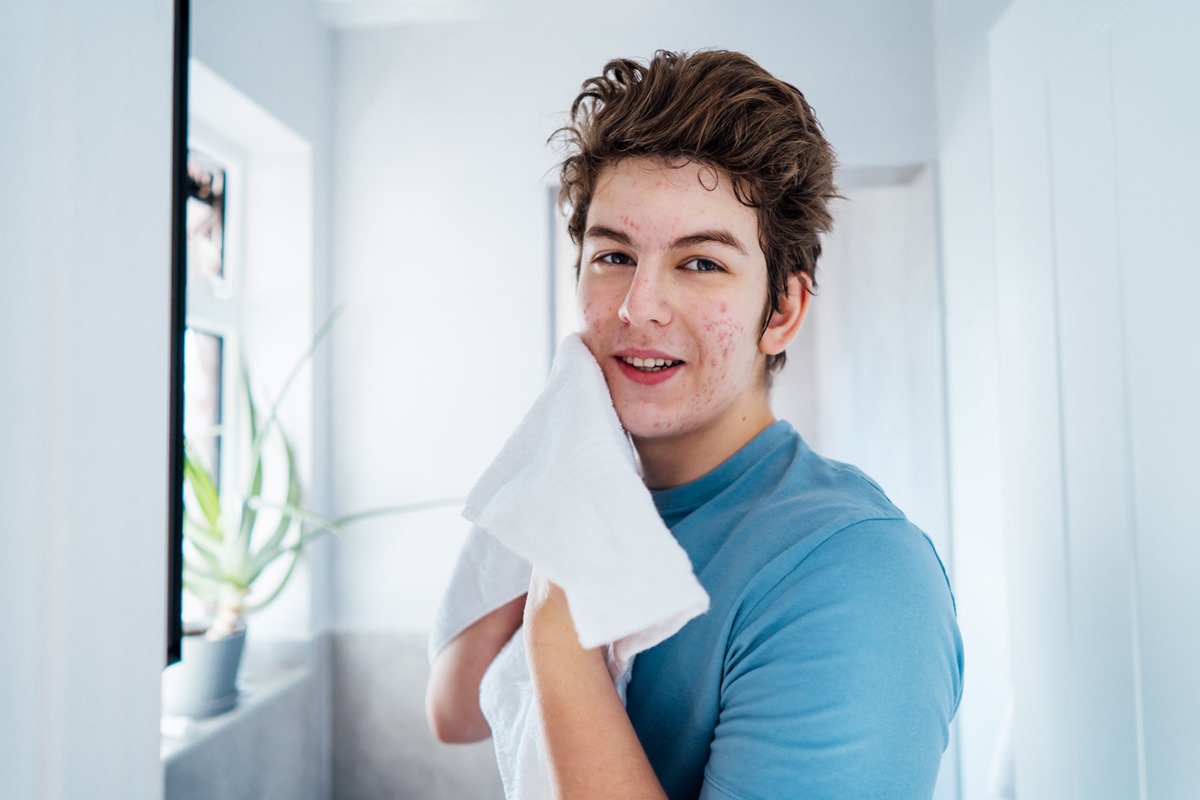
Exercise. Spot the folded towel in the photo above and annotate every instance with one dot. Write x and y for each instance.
(564, 494)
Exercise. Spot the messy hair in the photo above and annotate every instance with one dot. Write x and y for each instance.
(720, 109)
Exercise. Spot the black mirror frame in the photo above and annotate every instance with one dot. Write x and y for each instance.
(179, 126)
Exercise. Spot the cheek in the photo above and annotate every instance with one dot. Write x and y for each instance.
(596, 312)
(591, 304)
(723, 335)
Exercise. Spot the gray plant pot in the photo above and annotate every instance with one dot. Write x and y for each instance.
(204, 682)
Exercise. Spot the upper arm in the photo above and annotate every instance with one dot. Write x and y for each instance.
(452, 696)
(843, 678)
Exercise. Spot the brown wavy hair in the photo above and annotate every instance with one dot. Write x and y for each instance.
(721, 109)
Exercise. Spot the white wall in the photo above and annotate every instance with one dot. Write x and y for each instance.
(85, 148)
(1096, 263)
(442, 233)
(867, 369)
(964, 188)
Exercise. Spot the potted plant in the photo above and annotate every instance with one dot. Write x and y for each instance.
(230, 541)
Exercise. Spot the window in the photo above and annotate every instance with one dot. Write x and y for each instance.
(249, 220)
(202, 393)
(210, 358)
(205, 333)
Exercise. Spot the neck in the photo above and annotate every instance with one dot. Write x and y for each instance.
(673, 461)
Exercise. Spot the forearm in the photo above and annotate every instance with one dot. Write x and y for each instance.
(592, 747)
(452, 697)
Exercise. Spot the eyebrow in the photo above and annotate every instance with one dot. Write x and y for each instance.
(601, 232)
(691, 240)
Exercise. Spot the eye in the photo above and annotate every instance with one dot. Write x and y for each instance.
(702, 265)
(616, 259)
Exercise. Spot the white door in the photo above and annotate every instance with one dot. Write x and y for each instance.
(1096, 126)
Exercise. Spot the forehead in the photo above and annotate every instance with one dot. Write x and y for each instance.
(652, 196)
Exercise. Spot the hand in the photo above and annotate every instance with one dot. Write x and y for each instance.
(592, 747)
(548, 623)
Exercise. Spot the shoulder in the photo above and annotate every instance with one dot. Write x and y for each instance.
(842, 672)
(862, 584)
(793, 489)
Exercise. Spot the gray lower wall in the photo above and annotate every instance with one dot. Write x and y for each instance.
(382, 747)
(277, 745)
(351, 728)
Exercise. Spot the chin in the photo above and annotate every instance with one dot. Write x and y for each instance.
(648, 424)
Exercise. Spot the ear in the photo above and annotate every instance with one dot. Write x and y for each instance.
(785, 321)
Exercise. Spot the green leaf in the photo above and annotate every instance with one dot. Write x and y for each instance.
(201, 584)
(192, 572)
(403, 508)
(279, 588)
(207, 595)
(314, 534)
(205, 490)
(272, 419)
(265, 556)
(202, 541)
(321, 333)
(295, 512)
(256, 475)
(290, 509)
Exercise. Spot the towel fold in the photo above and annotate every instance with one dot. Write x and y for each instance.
(564, 494)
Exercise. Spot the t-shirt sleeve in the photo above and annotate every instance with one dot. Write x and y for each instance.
(842, 676)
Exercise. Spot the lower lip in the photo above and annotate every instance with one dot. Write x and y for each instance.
(646, 378)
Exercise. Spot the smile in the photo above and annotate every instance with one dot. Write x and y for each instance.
(649, 364)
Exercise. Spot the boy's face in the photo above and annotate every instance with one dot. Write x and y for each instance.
(672, 287)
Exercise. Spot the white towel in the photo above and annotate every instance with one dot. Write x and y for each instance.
(564, 494)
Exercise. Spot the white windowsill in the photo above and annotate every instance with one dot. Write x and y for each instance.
(259, 691)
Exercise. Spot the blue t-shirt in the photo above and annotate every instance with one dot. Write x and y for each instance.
(829, 663)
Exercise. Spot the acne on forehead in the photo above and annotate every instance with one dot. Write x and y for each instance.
(682, 172)
(702, 184)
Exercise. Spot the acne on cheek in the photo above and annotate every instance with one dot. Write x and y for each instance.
(597, 310)
(727, 331)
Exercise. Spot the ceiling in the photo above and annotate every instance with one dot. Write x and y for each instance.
(349, 14)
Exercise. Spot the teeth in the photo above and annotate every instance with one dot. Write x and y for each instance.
(649, 364)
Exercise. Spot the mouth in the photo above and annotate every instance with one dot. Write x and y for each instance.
(650, 364)
(647, 367)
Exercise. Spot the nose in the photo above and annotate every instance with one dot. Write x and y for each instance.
(648, 300)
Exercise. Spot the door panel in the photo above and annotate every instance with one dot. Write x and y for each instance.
(1096, 123)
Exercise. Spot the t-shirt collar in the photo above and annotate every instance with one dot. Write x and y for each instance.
(679, 501)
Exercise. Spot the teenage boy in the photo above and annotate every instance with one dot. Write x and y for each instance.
(829, 663)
